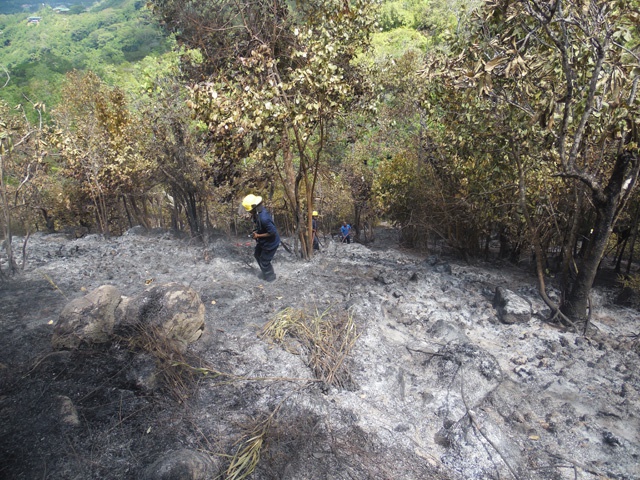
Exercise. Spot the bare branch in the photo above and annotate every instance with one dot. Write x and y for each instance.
(7, 74)
(474, 421)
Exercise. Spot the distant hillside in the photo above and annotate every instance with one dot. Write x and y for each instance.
(105, 38)
(18, 6)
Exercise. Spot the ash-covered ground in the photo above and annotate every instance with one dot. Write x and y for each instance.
(437, 387)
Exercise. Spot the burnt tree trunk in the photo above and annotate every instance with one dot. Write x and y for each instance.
(607, 202)
(634, 237)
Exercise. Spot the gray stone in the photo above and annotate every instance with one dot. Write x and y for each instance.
(137, 230)
(88, 319)
(68, 412)
(431, 260)
(511, 307)
(442, 268)
(144, 373)
(447, 332)
(181, 465)
(170, 311)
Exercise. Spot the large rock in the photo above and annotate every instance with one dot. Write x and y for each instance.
(182, 465)
(511, 308)
(170, 312)
(88, 319)
(68, 412)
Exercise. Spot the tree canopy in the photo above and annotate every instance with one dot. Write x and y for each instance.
(496, 127)
(551, 91)
(276, 75)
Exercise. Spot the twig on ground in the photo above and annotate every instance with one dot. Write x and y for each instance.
(581, 466)
(551, 467)
(426, 352)
(124, 419)
(474, 421)
(53, 284)
(213, 373)
(557, 313)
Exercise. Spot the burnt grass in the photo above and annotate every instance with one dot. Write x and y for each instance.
(121, 428)
(117, 428)
(117, 423)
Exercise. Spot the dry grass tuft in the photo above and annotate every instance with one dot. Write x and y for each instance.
(175, 371)
(250, 446)
(326, 338)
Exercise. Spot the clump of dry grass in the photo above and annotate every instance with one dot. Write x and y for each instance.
(327, 338)
(175, 370)
(247, 456)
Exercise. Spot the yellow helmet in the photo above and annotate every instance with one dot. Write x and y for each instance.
(250, 201)
(314, 214)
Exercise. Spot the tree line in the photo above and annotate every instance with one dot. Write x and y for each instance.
(514, 126)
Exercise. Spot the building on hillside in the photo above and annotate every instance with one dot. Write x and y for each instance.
(61, 9)
(34, 20)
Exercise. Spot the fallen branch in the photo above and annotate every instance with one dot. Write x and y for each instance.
(557, 313)
(581, 466)
(553, 467)
(426, 352)
(207, 371)
(474, 422)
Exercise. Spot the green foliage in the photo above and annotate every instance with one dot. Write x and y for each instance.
(35, 57)
(319, 83)
(397, 183)
(444, 19)
(8, 7)
(276, 82)
(543, 102)
(397, 14)
(99, 141)
(394, 43)
(436, 20)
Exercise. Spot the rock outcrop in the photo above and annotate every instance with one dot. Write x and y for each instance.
(88, 319)
(511, 307)
(168, 313)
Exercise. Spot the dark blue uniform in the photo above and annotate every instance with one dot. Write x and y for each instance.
(314, 227)
(266, 246)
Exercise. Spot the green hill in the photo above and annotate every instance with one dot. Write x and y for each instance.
(8, 7)
(38, 48)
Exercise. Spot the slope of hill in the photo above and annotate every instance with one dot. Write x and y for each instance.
(437, 387)
(35, 55)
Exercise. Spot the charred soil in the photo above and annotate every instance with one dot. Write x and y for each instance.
(433, 386)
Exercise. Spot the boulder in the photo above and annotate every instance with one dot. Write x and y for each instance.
(511, 307)
(68, 412)
(88, 319)
(181, 465)
(143, 373)
(437, 265)
(171, 312)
